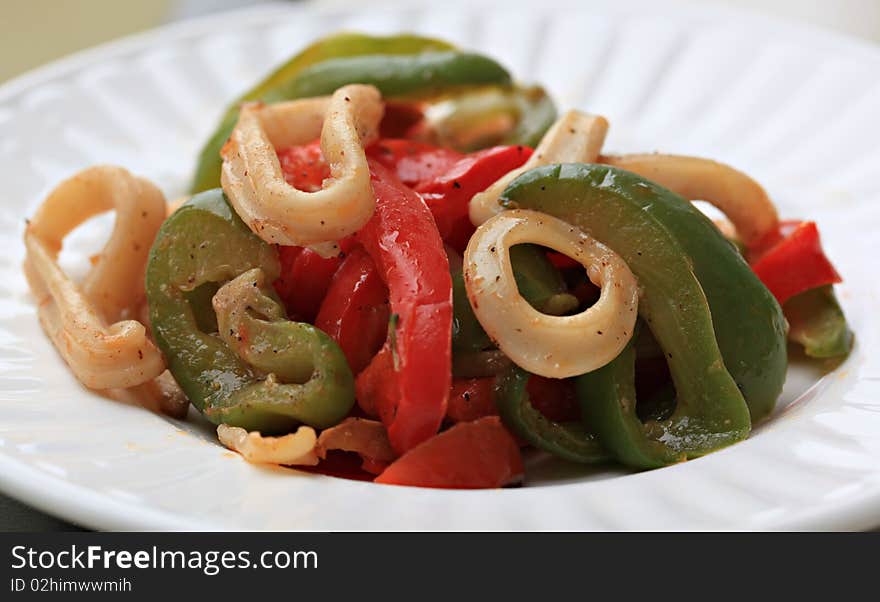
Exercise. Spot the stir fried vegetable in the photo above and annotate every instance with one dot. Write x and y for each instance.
(407, 383)
(817, 323)
(355, 311)
(470, 455)
(678, 257)
(414, 273)
(796, 264)
(570, 441)
(399, 66)
(258, 370)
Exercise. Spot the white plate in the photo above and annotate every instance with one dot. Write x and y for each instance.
(795, 107)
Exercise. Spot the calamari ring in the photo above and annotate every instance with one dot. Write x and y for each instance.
(551, 346)
(254, 182)
(161, 395)
(94, 326)
(576, 137)
(734, 193)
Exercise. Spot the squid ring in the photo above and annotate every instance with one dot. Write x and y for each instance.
(254, 182)
(551, 346)
(739, 197)
(94, 326)
(576, 137)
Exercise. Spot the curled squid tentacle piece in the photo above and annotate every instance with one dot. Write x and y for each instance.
(94, 325)
(294, 449)
(552, 346)
(739, 197)
(161, 395)
(254, 183)
(576, 137)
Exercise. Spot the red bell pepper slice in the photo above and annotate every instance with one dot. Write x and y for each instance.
(474, 398)
(470, 455)
(413, 162)
(304, 281)
(305, 275)
(375, 386)
(407, 383)
(303, 166)
(471, 399)
(355, 309)
(448, 194)
(399, 119)
(555, 398)
(445, 178)
(771, 239)
(367, 438)
(345, 465)
(561, 261)
(796, 264)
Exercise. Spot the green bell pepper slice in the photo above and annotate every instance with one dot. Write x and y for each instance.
(283, 84)
(539, 282)
(570, 441)
(479, 117)
(669, 245)
(537, 112)
(749, 325)
(334, 47)
(260, 371)
(816, 322)
(608, 400)
(397, 76)
(467, 332)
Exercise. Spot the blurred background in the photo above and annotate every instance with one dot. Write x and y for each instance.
(34, 32)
